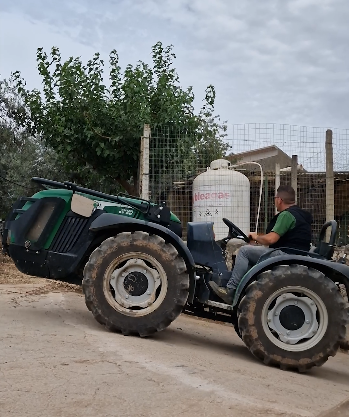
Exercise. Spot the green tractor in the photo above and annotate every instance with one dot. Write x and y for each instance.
(138, 274)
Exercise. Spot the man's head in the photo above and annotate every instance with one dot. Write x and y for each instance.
(285, 197)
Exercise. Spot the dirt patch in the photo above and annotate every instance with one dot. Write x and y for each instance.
(10, 275)
(4, 258)
(55, 286)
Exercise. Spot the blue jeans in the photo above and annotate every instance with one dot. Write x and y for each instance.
(246, 258)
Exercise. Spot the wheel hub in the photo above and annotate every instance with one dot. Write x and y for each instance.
(135, 284)
(293, 318)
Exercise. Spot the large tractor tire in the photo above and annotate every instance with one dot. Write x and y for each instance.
(293, 317)
(135, 283)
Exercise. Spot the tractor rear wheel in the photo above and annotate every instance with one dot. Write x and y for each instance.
(293, 317)
(135, 283)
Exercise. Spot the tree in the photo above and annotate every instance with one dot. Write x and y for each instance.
(96, 129)
(210, 143)
(21, 155)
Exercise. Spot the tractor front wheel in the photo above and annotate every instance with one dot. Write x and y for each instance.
(135, 283)
(293, 317)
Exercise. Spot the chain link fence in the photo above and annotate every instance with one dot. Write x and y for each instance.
(178, 157)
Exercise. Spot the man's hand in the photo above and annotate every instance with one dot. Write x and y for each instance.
(265, 240)
(253, 236)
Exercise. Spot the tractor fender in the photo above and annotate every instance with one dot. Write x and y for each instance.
(330, 269)
(117, 223)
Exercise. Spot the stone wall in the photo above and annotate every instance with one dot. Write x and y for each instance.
(340, 252)
(345, 343)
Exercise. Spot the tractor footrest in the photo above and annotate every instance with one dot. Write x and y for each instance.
(222, 279)
(219, 305)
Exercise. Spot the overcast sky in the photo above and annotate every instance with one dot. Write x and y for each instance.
(280, 61)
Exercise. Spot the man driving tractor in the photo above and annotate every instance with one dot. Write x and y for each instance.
(290, 228)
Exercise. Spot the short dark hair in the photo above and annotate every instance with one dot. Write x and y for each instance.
(287, 194)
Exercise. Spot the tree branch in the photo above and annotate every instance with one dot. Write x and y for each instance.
(94, 130)
(127, 186)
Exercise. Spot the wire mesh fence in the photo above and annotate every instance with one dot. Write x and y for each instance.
(180, 174)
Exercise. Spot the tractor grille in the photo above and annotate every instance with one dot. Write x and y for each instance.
(68, 234)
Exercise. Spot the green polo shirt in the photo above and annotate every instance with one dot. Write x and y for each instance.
(285, 222)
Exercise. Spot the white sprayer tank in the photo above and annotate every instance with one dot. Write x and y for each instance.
(222, 192)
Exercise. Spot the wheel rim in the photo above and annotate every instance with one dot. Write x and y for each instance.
(294, 318)
(135, 284)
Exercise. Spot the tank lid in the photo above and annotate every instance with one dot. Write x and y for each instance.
(220, 164)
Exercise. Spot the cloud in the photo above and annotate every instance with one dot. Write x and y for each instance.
(280, 61)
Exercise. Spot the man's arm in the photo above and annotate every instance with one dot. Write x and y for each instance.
(265, 240)
(285, 222)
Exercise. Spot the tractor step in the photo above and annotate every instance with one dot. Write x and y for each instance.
(222, 306)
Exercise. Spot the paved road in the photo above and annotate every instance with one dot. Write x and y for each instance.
(55, 360)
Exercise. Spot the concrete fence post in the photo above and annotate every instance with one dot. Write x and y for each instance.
(329, 179)
(144, 164)
(277, 179)
(294, 168)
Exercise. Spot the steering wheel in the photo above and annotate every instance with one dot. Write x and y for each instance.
(235, 232)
